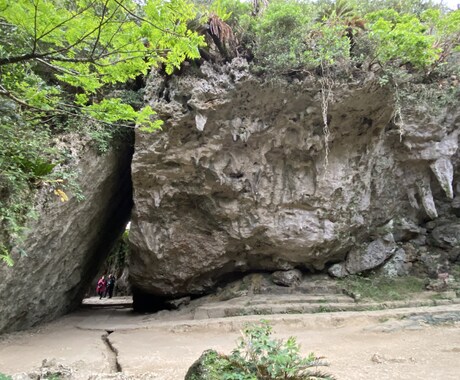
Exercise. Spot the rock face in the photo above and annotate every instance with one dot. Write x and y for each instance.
(67, 244)
(241, 179)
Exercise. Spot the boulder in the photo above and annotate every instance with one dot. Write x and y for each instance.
(446, 235)
(370, 256)
(287, 278)
(338, 270)
(241, 179)
(397, 265)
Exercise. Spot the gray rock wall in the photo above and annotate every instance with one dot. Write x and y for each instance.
(67, 244)
(239, 179)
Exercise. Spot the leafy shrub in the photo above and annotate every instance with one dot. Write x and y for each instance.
(401, 37)
(291, 35)
(25, 159)
(280, 35)
(258, 357)
(295, 35)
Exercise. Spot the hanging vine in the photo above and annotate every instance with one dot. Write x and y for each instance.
(398, 116)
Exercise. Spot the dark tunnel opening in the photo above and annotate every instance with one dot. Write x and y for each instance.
(113, 227)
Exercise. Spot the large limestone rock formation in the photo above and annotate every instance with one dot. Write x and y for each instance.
(67, 243)
(241, 179)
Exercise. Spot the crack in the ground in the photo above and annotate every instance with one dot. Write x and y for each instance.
(112, 352)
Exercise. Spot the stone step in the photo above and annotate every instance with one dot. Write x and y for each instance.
(221, 310)
(218, 311)
(306, 287)
(301, 298)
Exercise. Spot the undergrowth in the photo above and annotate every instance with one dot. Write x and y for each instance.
(379, 288)
(32, 159)
(259, 356)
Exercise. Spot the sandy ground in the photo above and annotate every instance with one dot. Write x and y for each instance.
(358, 345)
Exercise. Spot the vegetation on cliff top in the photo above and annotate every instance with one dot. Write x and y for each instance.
(285, 36)
(78, 66)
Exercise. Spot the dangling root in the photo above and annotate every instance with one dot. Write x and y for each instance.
(326, 97)
(398, 117)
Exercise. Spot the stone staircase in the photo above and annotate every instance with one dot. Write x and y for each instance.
(318, 295)
(304, 304)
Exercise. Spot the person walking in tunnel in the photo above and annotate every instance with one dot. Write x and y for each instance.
(110, 285)
(101, 287)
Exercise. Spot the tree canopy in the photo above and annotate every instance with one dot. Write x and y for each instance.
(51, 46)
(63, 60)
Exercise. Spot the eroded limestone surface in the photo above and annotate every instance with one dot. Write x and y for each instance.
(239, 179)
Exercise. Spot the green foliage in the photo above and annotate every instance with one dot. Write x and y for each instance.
(381, 288)
(280, 35)
(219, 8)
(401, 37)
(287, 36)
(6, 258)
(446, 30)
(54, 376)
(89, 45)
(235, 9)
(336, 9)
(62, 65)
(328, 44)
(296, 35)
(25, 161)
(407, 6)
(4, 377)
(111, 110)
(258, 356)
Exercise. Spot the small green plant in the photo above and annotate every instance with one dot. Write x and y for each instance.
(6, 258)
(54, 376)
(4, 377)
(324, 309)
(258, 356)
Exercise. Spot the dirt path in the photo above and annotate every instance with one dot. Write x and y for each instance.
(390, 344)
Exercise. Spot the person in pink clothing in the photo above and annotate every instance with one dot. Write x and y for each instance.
(101, 287)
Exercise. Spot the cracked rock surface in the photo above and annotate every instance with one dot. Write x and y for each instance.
(239, 180)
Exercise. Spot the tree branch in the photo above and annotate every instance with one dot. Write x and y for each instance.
(56, 68)
(34, 48)
(99, 29)
(8, 94)
(83, 10)
(147, 21)
(32, 56)
(105, 48)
